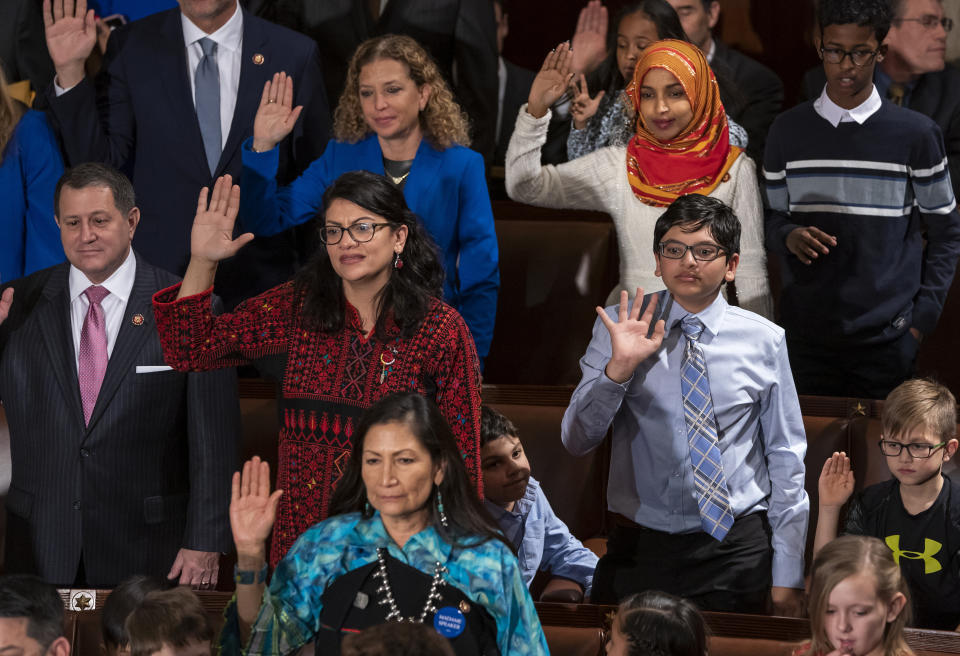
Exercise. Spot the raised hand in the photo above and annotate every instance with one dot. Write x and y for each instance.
(253, 509)
(583, 107)
(211, 238)
(551, 82)
(836, 481)
(629, 341)
(808, 243)
(71, 34)
(6, 300)
(590, 38)
(276, 115)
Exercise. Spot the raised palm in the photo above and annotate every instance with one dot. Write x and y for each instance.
(551, 82)
(836, 481)
(276, 115)
(590, 38)
(583, 107)
(211, 238)
(70, 30)
(253, 509)
(631, 341)
(6, 300)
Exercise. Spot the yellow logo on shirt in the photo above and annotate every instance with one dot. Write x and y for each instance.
(930, 549)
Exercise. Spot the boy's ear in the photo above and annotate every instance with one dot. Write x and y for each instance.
(950, 448)
(896, 605)
(732, 262)
(656, 272)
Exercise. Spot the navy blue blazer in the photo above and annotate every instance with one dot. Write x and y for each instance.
(141, 119)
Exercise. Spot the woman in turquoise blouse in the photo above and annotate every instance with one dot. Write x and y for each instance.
(409, 541)
(396, 117)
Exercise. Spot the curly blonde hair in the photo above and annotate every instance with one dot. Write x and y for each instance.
(442, 120)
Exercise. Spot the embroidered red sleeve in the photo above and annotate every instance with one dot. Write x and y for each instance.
(457, 376)
(195, 340)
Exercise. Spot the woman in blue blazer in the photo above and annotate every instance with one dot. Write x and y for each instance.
(396, 117)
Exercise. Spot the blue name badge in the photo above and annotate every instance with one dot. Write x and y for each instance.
(449, 622)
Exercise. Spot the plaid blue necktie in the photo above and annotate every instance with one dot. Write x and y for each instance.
(713, 500)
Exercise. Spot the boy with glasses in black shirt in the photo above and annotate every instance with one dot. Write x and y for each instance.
(917, 512)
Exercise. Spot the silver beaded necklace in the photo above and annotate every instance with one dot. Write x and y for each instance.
(394, 615)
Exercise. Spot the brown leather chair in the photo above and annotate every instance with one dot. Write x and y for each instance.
(574, 641)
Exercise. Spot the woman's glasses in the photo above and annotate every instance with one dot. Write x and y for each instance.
(360, 232)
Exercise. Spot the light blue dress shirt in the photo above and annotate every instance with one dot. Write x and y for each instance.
(759, 425)
(542, 540)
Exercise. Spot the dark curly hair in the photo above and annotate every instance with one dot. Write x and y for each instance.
(875, 14)
(660, 624)
(410, 290)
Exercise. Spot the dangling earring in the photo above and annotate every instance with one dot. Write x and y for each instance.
(397, 262)
(367, 511)
(443, 515)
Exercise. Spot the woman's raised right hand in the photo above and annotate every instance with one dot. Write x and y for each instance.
(253, 509)
(211, 238)
(551, 82)
(276, 115)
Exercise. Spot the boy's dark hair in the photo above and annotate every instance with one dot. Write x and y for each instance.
(173, 617)
(660, 624)
(32, 598)
(695, 211)
(875, 14)
(494, 425)
(121, 602)
(94, 174)
(396, 639)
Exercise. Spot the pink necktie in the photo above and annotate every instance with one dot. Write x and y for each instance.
(93, 351)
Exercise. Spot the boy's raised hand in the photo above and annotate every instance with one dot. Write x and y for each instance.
(551, 82)
(836, 481)
(630, 339)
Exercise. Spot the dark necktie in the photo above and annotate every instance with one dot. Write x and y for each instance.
(896, 93)
(207, 96)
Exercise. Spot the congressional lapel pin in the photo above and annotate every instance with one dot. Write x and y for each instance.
(361, 600)
(449, 622)
(464, 606)
(258, 59)
(83, 600)
(137, 319)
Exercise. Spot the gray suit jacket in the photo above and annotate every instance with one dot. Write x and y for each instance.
(151, 472)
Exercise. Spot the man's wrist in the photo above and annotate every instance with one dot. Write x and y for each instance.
(69, 76)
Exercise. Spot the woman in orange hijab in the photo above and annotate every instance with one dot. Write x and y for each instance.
(681, 146)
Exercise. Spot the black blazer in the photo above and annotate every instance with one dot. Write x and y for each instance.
(515, 93)
(23, 48)
(149, 475)
(459, 33)
(141, 118)
(936, 95)
(756, 97)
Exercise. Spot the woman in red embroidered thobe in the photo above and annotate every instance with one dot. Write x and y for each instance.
(361, 320)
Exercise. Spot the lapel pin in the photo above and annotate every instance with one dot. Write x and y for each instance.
(258, 59)
(137, 319)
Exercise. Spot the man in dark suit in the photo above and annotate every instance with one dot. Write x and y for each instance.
(154, 115)
(756, 96)
(120, 465)
(22, 54)
(460, 35)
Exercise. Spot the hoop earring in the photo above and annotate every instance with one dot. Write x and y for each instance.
(443, 515)
(397, 262)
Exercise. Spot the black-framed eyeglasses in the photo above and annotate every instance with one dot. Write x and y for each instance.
(703, 252)
(361, 232)
(930, 22)
(916, 449)
(859, 57)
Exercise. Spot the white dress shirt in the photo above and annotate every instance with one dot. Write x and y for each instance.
(229, 39)
(114, 304)
(835, 114)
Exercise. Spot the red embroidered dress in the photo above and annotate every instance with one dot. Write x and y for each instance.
(326, 381)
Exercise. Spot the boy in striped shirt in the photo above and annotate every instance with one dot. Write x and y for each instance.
(854, 186)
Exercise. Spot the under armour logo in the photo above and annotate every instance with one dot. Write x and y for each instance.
(930, 549)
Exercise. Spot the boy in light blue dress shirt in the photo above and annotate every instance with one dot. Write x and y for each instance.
(706, 475)
(517, 502)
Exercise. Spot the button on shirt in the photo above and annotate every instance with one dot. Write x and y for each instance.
(119, 284)
(835, 114)
(760, 428)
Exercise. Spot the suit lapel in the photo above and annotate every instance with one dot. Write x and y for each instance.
(130, 339)
(53, 320)
(250, 88)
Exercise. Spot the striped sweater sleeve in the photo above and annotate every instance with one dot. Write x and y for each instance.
(777, 221)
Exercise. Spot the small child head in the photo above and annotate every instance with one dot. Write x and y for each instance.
(169, 623)
(502, 459)
(656, 623)
(859, 600)
(696, 243)
(121, 602)
(918, 430)
(849, 43)
(396, 639)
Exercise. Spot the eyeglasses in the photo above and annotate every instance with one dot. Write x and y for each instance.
(360, 232)
(916, 450)
(676, 250)
(930, 22)
(858, 57)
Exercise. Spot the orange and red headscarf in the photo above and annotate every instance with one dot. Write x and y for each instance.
(697, 159)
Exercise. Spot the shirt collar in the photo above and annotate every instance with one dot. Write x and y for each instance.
(711, 316)
(119, 284)
(834, 113)
(713, 49)
(229, 36)
(372, 532)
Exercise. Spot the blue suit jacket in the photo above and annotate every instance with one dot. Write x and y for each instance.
(445, 188)
(141, 118)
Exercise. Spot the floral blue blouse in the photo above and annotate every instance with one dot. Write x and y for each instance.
(488, 574)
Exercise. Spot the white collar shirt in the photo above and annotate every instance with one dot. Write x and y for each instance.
(835, 114)
(119, 284)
